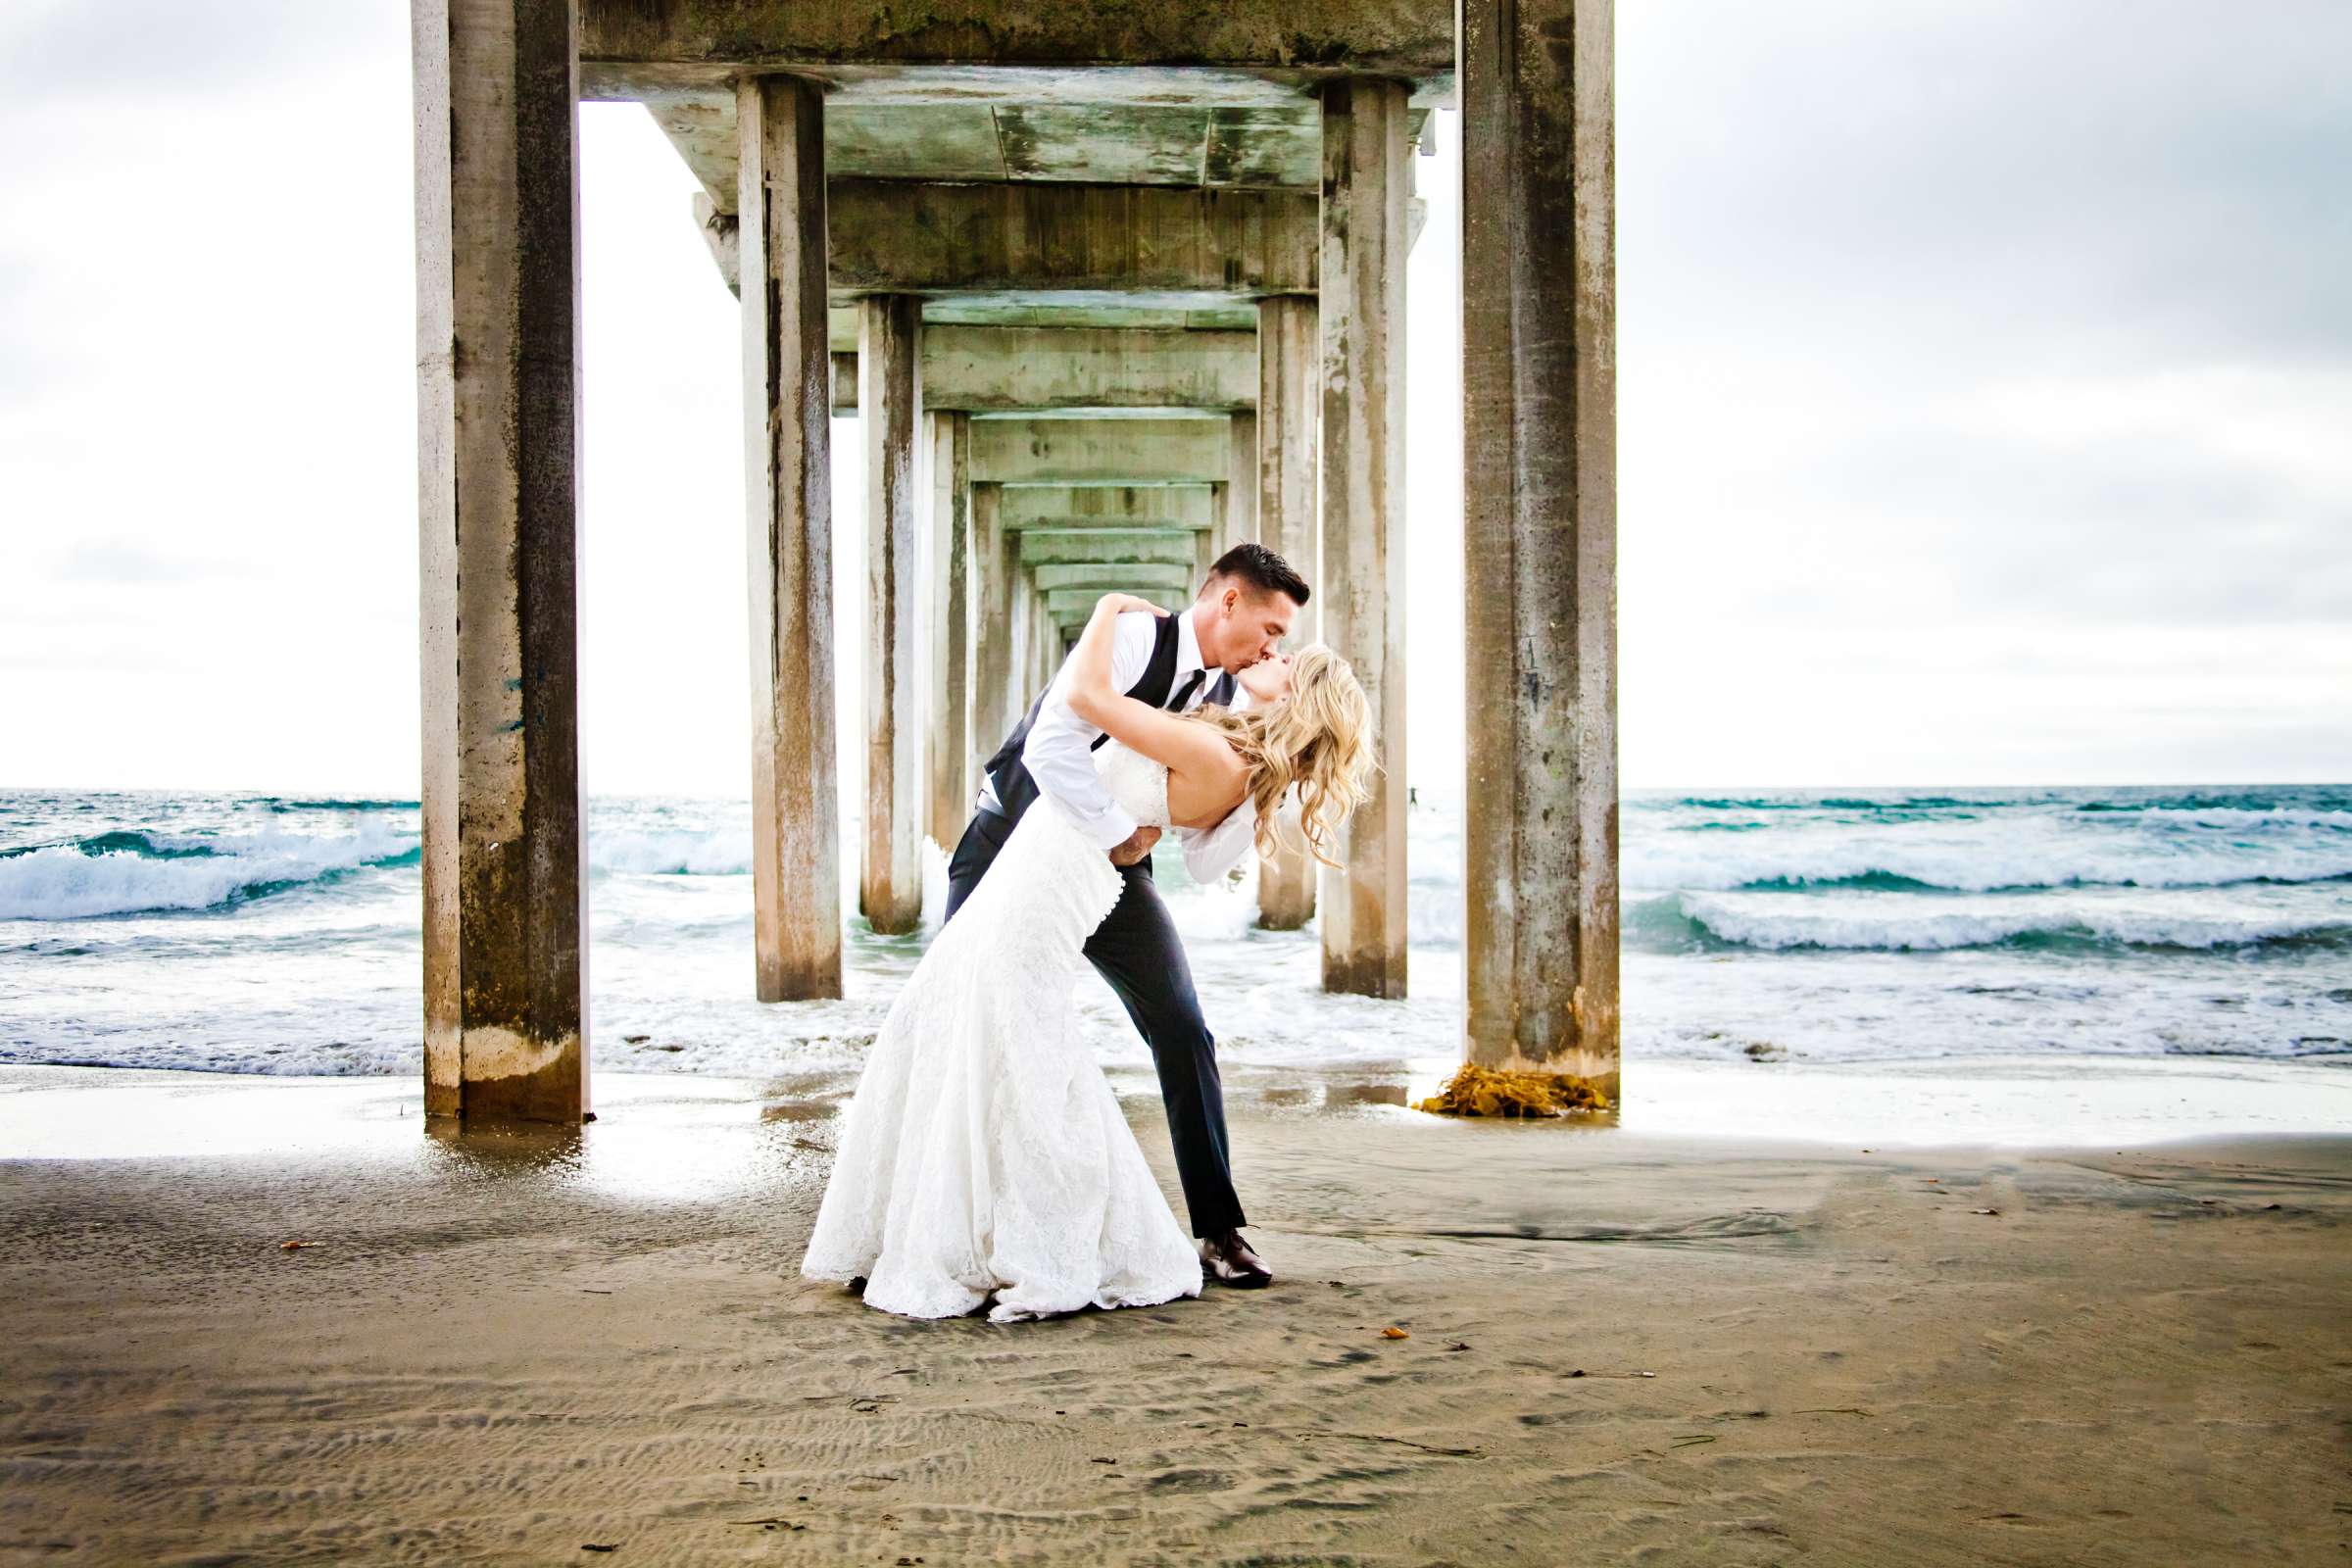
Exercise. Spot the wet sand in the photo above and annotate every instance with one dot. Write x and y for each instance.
(1624, 1346)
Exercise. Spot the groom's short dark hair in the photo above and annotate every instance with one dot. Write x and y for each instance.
(1262, 569)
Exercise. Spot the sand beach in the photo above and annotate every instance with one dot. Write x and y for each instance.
(1615, 1342)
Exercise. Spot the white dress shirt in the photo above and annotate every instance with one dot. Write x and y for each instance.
(1059, 756)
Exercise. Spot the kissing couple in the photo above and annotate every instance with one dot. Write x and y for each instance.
(982, 1159)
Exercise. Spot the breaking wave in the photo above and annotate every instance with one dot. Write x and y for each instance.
(126, 872)
(1877, 925)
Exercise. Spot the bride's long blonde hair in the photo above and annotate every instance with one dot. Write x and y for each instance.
(1318, 739)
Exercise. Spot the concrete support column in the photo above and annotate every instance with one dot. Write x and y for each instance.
(788, 490)
(1289, 416)
(1033, 633)
(890, 884)
(1289, 406)
(1540, 534)
(1040, 644)
(1366, 186)
(1028, 611)
(1049, 645)
(1241, 484)
(498, 416)
(946, 572)
(995, 575)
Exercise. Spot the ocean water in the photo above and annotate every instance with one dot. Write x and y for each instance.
(265, 934)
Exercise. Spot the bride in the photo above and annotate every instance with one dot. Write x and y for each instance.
(984, 1154)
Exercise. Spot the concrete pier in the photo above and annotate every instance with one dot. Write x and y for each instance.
(1109, 292)
(995, 579)
(1539, 535)
(952, 767)
(1288, 411)
(1367, 187)
(498, 420)
(787, 489)
(890, 883)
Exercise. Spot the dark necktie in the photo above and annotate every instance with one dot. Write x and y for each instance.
(1183, 693)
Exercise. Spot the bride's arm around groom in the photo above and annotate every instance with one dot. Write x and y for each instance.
(1060, 751)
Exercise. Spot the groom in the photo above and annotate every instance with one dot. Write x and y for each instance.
(1241, 616)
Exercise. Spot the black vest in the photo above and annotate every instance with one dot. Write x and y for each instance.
(1015, 789)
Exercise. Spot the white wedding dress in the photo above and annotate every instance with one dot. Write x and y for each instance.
(984, 1153)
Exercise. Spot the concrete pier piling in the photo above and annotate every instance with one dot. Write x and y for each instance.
(1367, 187)
(497, 422)
(1539, 535)
(1240, 481)
(788, 490)
(947, 664)
(890, 885)
(995, 573)
(1288, 411)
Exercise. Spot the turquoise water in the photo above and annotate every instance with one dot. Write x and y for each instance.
(254, 933)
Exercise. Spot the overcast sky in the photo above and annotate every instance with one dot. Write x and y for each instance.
(1986, 401)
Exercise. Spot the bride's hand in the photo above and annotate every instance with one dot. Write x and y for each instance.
(1120, 604)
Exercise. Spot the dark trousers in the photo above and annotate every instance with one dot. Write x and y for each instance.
(1137, 951)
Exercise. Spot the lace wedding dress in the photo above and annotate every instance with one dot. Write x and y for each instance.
(984, 1152)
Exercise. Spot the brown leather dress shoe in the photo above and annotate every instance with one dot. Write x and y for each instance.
(1228, 1260)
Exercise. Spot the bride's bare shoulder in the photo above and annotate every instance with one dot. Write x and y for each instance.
(1203, 792)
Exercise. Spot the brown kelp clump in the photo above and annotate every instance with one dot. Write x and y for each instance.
(1491, 1091)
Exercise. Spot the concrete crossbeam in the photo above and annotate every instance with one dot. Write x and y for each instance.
(1100, 126)
(997, 369)
(986, 368)
(1040, 244)
(1125, 312)
(1046, 547)
(498, 376)
(1120, 576)
(1161, 506)
(1540, 537)
(1243, 47)
(1118, 453)
(1064, 604)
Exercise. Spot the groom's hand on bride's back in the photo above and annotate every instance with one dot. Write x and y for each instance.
(1138, 843)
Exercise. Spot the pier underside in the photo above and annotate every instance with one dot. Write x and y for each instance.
(1109, 289)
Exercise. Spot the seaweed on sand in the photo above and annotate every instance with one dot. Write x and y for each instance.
(1477, 1090)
